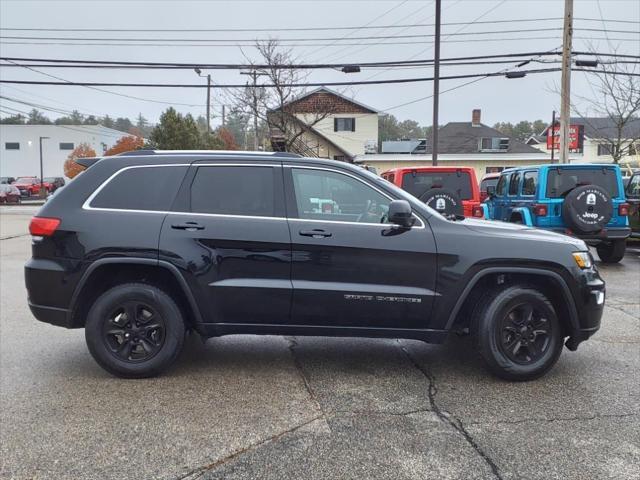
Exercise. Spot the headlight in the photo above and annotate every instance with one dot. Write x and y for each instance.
(583, 259)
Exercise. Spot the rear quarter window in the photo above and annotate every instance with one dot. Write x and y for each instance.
(141, 188)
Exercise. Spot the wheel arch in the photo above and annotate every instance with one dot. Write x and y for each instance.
(108, 272)
(550, 282)
(523, 213)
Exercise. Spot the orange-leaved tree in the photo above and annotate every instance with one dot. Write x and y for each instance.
(126, 144)
(227, 138)
(71, 168)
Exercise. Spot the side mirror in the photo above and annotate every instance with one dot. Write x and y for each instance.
(400, 213)
(491, 191)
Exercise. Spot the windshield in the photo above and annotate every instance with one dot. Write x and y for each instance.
(25, 180)
(561, 181)
(418, 183)
(633, 189)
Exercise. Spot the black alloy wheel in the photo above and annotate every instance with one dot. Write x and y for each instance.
(525, 334)
(134, 332)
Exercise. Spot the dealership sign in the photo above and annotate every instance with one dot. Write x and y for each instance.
(576, 137)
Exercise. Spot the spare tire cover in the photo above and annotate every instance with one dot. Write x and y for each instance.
(443, 201)
(587, 209)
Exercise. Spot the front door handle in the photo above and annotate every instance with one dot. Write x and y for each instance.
(315, 233)
(189, 226)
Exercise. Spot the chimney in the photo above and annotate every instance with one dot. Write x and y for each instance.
(475, 117)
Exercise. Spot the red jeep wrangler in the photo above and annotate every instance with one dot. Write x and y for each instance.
(448, 190)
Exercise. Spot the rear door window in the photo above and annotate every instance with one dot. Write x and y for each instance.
(513, 183)
(502, 185)
(151, 188)
(234, 190)
(418, 183)
(529, 183)
(560, 181)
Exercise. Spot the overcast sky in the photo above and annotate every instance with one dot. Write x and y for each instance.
(500, 99)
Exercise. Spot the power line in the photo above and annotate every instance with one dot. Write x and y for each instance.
(306, 29)
(243, 66)
(334, 40)
(313, 84)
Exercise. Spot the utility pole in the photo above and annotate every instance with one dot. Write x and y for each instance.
(254, 75)
(565, 93)
(436, 87)
(199, 72)
(208, 104)
(41, 167)
(553, 134)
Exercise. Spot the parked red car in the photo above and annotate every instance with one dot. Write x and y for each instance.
(9, 194)
(30, 186)
(488, 185)
(448, 190)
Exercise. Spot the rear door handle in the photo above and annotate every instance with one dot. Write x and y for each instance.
(315, 233)
(189, 226)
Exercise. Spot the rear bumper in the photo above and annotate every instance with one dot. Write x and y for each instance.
(605, 234)
(53, 315)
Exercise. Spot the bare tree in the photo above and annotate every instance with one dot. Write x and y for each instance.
(616, 97)
(287, 122)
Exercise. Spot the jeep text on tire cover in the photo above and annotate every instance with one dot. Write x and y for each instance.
(143, 247)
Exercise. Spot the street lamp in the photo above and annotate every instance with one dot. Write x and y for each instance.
(199, 72)
(41, 167)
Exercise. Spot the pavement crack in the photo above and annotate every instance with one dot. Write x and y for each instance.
(380, 412)
(9, 237)
(198, 472)
(448, 418)
(293, 343)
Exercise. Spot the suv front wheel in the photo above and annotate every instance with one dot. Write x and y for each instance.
(135, 330)
(518, 333)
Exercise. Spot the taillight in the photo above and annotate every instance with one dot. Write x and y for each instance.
(623, 209)
(478, 211)
(540, 210)
(43, 226)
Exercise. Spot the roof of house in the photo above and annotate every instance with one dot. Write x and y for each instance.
(463, 137)
(604, 127)
(326, 90)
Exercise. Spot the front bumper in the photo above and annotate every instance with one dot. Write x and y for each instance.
(589, 302)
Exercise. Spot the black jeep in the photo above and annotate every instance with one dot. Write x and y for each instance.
(140, 248)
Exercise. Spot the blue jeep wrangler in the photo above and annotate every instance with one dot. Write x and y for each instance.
(582, 200)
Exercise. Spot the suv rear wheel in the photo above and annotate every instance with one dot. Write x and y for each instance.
(518, 333)
(135, 330)
(612, 252)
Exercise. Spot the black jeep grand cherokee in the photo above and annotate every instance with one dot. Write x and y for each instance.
(140, 248)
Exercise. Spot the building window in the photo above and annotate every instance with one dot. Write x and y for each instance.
(632, 150)
(12, 146)
(493, 169)
(344, 124)
(493, 144)
(66, 146)
(604, 150)
(339, 158)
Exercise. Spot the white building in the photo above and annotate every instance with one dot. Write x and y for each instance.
(336, 126)
(20, 147)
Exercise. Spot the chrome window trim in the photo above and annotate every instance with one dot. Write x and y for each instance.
(422, 222)
(87, 204)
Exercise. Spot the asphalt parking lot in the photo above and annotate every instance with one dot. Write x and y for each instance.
(279, 407)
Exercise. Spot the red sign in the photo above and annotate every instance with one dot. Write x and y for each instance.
(576, 136)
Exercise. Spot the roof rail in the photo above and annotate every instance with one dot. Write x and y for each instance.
(86, 162)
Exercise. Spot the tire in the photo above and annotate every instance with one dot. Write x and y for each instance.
(612, 252)
(499, 336)
(148, 351)
(587, 209)
(444, 201)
